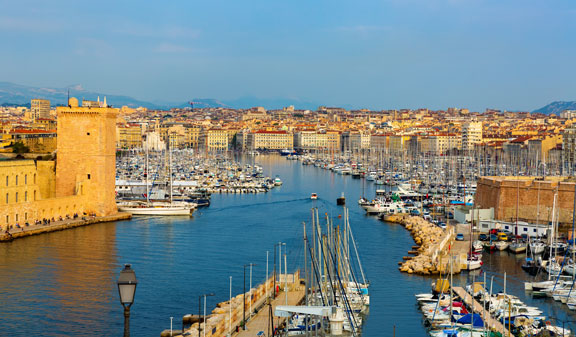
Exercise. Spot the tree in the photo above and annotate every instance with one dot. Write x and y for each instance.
(19, 147)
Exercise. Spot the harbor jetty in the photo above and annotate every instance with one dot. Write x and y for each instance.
(476, 307)
(227, 319)
(59, 225)
(432, 243)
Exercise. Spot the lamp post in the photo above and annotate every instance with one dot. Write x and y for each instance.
(244, 297)
(199, 313)
(126, 289)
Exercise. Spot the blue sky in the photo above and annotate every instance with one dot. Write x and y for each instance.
(507, 54)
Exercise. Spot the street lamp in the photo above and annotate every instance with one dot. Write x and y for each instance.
(199, 314)
(126, 289)
(244, 296)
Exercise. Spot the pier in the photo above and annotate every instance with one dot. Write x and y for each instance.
(227, 318)
(24, 231)
(476, 307)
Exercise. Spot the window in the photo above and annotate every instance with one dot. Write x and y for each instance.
(26, 196)
(525, 229)
(6, 180)
(87, 133)
(16, 196)
(25, 179)
(16, 179)
(16, 218)
(88, 175)
(34, 178)
(534, 230)
(7, 219)
(34, 195)
(7, 197)
(26, 216)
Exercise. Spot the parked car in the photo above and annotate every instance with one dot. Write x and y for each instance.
(459, 237)
(493, 237)
(502, 236)
(483, 237)
(494, 231)
(442, 225)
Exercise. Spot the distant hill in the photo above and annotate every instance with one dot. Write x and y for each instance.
(557, 107)
(270, 104)
(17, 94)
(22, 94)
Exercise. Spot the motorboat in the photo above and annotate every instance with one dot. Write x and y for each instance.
(314, 196)
(517, 247)
(501, 245)
(537, 247)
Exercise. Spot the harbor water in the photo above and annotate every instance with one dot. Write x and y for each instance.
(64, 283)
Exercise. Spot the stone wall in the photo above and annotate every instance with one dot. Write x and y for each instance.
(531, 199)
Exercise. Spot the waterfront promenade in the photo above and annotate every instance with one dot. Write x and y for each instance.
(59, 225)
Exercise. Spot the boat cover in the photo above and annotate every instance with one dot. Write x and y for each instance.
(475, 319)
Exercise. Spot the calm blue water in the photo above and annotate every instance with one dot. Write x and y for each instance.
(64, 283)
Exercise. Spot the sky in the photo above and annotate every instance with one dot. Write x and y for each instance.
(377, 54)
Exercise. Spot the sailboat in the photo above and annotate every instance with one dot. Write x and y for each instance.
(149, 207)
(517, 246)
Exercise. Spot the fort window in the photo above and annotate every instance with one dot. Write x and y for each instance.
(16, 219)
(25, 216)
(87, 133)
(25, 179)
(88, 175)
(16, 197)
(34, 195)
(7, 219)
(16, 180)
(26, 196)
(34, 178)
(7, 196)
(6, 180)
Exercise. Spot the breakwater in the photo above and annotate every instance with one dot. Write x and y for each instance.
(432, 243)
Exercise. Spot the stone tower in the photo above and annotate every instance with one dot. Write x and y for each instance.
(86, 157)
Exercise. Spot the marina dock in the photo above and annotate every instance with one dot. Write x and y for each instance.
(261, 321)
(227, 318)
(477, 308)
(60, 225)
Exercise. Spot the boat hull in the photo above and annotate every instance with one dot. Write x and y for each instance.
(156, 210)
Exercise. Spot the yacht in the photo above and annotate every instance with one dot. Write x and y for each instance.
(156, 207)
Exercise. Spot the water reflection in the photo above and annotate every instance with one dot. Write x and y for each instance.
(58, 280)
(64, 283)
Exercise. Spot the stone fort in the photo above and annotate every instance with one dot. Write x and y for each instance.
(80, 181)
(532, 198)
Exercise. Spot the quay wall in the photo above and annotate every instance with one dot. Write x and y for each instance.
(61, 225)
(532, 198)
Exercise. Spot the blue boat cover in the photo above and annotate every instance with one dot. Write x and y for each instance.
(468, 318)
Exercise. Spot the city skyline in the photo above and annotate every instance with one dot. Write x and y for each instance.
(380, 55)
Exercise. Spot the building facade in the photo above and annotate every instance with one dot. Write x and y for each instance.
(39, 108)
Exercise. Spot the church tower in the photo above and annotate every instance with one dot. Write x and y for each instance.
(86, 155)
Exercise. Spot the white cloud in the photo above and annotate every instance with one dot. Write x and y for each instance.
(26, 25)
(167, 32)
(171, 48)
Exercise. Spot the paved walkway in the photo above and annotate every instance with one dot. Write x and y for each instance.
(24, 231)
(260, 321)
(477, 308)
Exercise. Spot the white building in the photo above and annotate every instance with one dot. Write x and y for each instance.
(471, 134)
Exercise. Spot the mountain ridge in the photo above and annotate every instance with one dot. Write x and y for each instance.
(556, 107)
